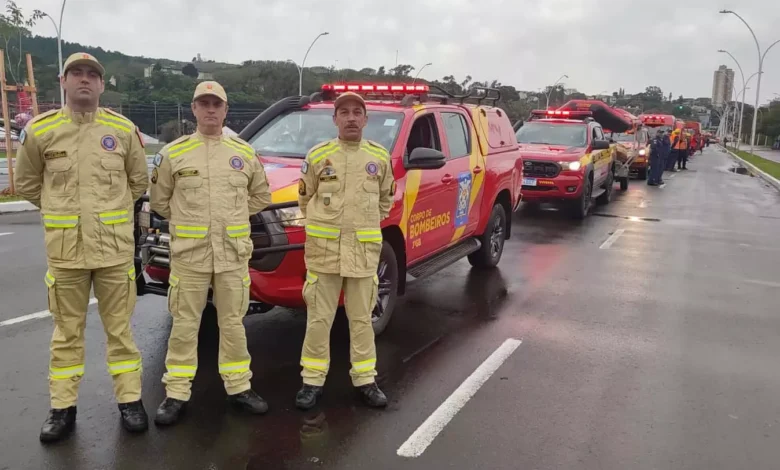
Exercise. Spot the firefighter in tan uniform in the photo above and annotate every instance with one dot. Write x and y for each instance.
(208, 184)
(84, 166)
(345, 191)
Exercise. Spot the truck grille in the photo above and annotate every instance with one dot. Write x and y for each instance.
(538, 169)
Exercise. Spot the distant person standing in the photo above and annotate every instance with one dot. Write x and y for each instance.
(673, 137)
(682, 154)
(657, 159)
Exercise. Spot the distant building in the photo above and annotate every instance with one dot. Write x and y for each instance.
(722, 86)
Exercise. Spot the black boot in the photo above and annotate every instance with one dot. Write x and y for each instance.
(59, 424)
(372, 396)
(307, 396)
(134, 417)
(249, 401)
(169, 411)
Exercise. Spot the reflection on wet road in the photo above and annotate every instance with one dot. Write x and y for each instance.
(657, 351)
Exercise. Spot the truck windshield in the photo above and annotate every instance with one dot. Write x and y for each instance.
(293, 134)
(571, 135)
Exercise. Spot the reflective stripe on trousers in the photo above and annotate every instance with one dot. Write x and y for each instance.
(322, 232)
(60, 221)
(369, 235)
(61, 373)
(234, 367)
(115, 217)
(181, 371)
(235, 231)
(123, 367)
(189, 231)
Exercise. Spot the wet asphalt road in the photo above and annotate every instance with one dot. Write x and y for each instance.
(657, 352)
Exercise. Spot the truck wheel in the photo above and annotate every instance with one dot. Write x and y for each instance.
(489, 254)
(606, 197)
(581, 206)
(642, 174)
(624, 184)
(387, 294)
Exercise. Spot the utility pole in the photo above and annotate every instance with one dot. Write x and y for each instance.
(178, 120)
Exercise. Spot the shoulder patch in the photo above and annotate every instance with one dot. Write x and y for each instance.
(377, 145)
(22, 137)
(241, 141)
(111, 111)
(320, 145)
(158, 158)
(43, 116)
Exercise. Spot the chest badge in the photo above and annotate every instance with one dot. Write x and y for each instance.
(372, 168)
(237, 163)
(108, 142)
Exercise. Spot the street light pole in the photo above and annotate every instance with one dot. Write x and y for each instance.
(547, 104)
(58, 29)
(303, 64)
(418, 72)
(760, 71)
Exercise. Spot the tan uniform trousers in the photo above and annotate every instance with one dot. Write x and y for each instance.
(187, 297)
(115, 291)
(321, 293)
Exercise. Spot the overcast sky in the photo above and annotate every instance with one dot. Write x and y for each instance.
(601, 44)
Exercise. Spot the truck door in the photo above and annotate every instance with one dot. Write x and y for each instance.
(428, 218)
(463, 155)
(600, 158)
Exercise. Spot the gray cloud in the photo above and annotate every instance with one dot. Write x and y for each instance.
(600, 44)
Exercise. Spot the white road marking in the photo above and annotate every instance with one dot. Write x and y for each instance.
(427, 432)
(672, 175)
(763, 283)
(612, 239)
(643, 204)
(6, 233)
(33, 316)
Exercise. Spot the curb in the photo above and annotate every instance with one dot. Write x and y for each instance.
(755, 170)
(16, 206)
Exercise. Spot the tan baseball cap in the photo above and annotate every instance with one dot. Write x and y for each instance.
(349, 96)
(82, 58)
(210, 88)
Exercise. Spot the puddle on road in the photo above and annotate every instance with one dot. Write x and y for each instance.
(627, 217)
(740, 170)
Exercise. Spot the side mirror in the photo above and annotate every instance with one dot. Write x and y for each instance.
(600, 144)
(423, 158)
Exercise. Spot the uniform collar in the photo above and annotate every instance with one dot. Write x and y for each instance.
(209, 138)
(80, 118)
(350, 145)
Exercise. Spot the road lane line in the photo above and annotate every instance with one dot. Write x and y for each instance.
(6, 233)
(33, 316)
(428, 430)
(763, 283)
(612, 239)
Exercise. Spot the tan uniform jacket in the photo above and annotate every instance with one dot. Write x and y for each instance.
(345, 191)
(84, 171)
(208, 187)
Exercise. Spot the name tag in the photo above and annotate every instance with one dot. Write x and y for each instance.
(51, 154)
(329, 178)
(188, 173)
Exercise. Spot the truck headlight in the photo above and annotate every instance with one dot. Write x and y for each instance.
(290, 217)
(642, 152)
(570, 166)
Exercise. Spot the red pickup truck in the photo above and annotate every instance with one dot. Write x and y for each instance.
(458, 175)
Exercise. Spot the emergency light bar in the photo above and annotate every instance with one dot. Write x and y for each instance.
(376, 88)
(560, 113)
